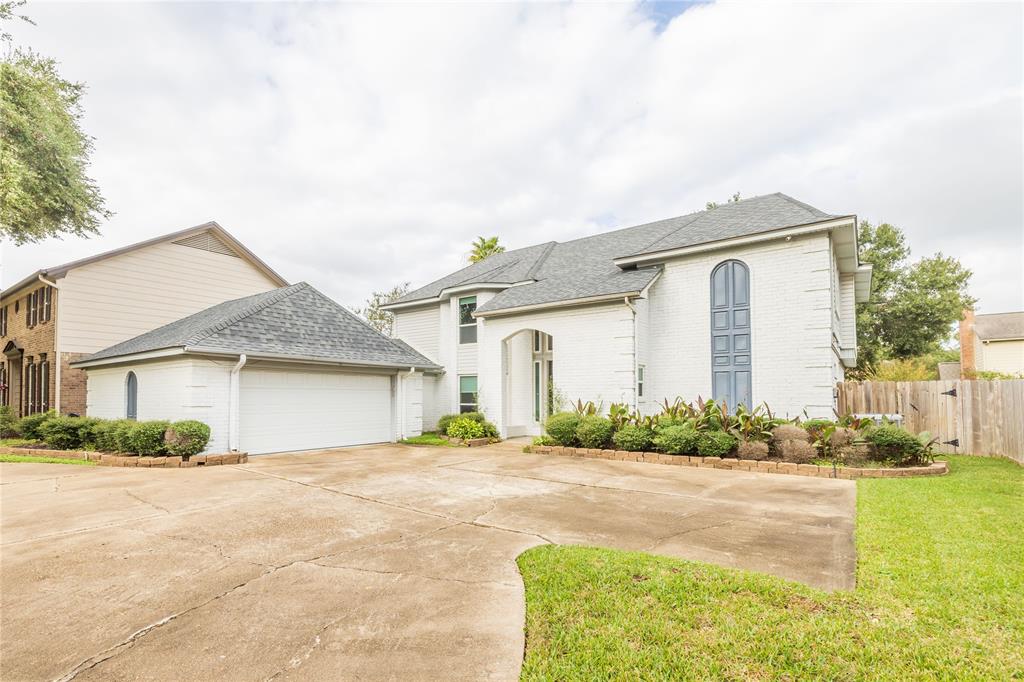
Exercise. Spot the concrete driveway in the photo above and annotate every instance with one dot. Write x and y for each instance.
(384, 562)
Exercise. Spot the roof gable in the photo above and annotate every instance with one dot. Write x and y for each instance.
(292, 322)
(207, 236)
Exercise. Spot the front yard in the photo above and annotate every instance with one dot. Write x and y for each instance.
(940, 595)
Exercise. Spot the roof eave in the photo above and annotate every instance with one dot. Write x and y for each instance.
(770, 235)
(449, 291)
(603, 298)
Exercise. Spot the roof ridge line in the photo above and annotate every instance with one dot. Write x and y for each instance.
(797, 202)
(365, 323)
(548, 248)
(275, 297)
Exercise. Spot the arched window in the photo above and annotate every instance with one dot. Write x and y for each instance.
(131, 396)
(730, 334)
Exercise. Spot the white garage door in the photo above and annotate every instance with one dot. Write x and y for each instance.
(289, 410)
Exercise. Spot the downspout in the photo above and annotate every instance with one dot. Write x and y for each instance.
(56, 346)
(233, 394)
(403, 408)
(636, 402)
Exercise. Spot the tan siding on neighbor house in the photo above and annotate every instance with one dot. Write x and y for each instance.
(115, 299)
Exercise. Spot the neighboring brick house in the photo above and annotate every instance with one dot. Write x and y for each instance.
(750, 302)
(58, 315)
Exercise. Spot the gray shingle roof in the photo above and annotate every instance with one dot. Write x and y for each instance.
(584, 268)
(999, 326)
(295, 321)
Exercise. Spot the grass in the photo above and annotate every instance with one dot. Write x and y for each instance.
(16, 442)
(940, 595)
(430, 439)
(45, 460)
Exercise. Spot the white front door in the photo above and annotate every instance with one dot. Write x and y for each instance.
(284, 410)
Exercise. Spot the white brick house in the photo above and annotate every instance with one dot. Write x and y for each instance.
(750, 302)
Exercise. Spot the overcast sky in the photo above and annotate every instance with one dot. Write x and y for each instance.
(357, 146)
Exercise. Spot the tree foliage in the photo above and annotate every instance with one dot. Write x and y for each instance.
(714, 204)
(913, 306)
(484, 247)
(44, 154)
(382, 320)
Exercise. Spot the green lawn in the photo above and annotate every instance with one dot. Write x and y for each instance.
(45, 460)
(940, 596)
(15, 442)
(430, 439)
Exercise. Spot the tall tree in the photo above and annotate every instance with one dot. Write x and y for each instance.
(44, 154)
(714, 204)
(382, 320)
(483, 247)
(913, 306)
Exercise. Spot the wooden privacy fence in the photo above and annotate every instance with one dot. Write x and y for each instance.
(971, 417)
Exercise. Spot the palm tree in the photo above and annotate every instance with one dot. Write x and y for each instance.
(483, 248)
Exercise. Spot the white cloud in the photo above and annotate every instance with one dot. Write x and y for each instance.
(355, 146)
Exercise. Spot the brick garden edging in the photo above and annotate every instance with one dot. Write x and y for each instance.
(934, 469)
(106, 459)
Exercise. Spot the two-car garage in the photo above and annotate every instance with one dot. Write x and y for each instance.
(281, 410)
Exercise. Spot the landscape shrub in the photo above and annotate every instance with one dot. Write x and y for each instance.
(715, 444)
(444, 422)
(544, 440)
(147, 438)
(633, 438)
(8, 423)
(490, 430)
(796, 451)
(122, 435)
(562, 427)
(594, 431)
(465, 428)
(679, 439)
(104, 433)
(786, 432)
(65, 433)
(29, 425)
(186, 438)
(752, 449)
(896, 445)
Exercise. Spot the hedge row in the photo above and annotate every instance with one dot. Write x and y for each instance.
(185, 438)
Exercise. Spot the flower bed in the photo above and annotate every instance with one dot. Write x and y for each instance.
(762, 466)
(121, 460)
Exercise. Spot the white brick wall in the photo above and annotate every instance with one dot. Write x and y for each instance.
(593, 354)
(793, 293)
(790, 317)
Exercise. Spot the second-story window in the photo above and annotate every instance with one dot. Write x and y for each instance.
(47, 312)
(467, 324)
(3, 321)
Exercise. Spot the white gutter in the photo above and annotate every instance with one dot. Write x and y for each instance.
(56, 344)
(636, 398)
(118, 359)
(605, 298)
(233, 394)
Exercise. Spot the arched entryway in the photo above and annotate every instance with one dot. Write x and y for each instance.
(731, 366)
(528, 373)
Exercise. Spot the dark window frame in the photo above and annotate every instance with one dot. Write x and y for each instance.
(3, 321)
(467, 330)
(131, 396)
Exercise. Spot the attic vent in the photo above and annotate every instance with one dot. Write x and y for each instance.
(207, 241)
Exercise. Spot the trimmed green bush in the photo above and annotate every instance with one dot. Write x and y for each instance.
(104, 433)
(677, 440)
(186, 438)
(123, 435)
(64, 433)
(465, 428)
(544, 440)
(490, 430)
(633, 438)
(715, 444)
(562, 427)
(29, 425)
(816, 424)
(147, 438)
(8, 423)
(893, 444)
(594, 431)
(444, 421)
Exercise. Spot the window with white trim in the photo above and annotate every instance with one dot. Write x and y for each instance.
(467, 323)
(468, 394)
(641, 370)
(131, 396)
